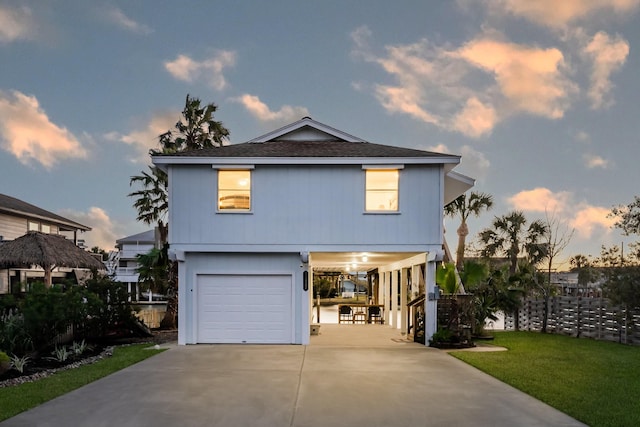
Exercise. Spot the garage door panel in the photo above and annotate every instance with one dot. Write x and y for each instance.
(244, 308)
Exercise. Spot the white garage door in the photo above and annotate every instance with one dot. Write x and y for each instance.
(244, 309)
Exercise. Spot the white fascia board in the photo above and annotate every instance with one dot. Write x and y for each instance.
(234, 166)
(163, 161)
(306, 121)
(297, 248)
(456, 184)
(382, 166)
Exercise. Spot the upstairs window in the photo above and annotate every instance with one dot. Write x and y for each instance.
(234, 190)
(381, 190)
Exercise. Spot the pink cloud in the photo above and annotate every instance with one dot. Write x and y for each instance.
(262, 112)
(27, 132)
(540, 200)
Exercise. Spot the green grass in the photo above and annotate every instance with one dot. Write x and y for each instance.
(16, 399)
(595, 382)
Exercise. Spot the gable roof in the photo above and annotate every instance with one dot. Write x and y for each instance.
(290, 131)
(307, 141)
(16, 207)
(334, 148)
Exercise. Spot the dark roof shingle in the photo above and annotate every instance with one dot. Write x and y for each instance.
(335, 148)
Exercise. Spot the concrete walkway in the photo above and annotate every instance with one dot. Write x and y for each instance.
(363, 375)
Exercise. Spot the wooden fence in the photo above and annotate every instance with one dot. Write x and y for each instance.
(580, 317)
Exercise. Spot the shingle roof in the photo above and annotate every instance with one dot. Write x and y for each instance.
(148, 236)
(337, 148)
(11, 205)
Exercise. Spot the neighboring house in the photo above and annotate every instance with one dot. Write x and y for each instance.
(124, 262)
(250, 223)
(16, 219)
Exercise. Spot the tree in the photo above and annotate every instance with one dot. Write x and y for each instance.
(584, 266)
(463, 207)
(510, 237)
(627, 217)
(102, 252)
(152, 270)
(555, 238)
(196, 130)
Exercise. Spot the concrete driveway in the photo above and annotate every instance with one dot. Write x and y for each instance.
(384, 382)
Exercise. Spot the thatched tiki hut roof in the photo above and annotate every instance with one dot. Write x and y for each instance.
(46, 250)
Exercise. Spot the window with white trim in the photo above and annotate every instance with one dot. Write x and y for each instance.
(381, 194)
(234, 190)
(34, 226)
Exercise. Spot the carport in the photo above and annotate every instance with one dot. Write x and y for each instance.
(395, 278)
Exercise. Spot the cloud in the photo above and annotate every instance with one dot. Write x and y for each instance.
(117, 17)
(146, 138)
(27, 132)
(592, 161)
(588, 219)
(16, 24)
(531, 79)
(209, 70)
(540, 200)
(554, 13)
(470, 88)
(585, 218)
(608, 55)
(104, 232)
(474, 163)
(262, 112)
(475, 119)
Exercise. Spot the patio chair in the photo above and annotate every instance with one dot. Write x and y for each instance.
(375, 315)
(345, 314)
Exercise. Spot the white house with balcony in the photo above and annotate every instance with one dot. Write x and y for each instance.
(125, 263)
(249, 224)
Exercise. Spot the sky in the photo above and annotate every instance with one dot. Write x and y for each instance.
(539, 98)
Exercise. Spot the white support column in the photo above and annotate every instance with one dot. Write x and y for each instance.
(394, 299)
(384, 294)
(404, 287)
(430, 303)
(184, 291)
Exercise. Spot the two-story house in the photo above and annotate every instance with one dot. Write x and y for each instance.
(124, 261)
(16, 219)
(251, 222)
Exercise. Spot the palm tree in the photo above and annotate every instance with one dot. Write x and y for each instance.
(152, 270)
(198, 131)
(463, 207)
(510, 237)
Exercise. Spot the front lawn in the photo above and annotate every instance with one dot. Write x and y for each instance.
(595, 382)
(16, 399)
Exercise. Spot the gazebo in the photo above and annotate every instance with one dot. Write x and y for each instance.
(47, 251)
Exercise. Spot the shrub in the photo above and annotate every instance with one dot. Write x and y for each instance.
(13, 334)
(108, 308)
(4, 362)
(19, 363)
(46, 314)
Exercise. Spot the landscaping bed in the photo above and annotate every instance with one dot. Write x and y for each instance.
(48, 364)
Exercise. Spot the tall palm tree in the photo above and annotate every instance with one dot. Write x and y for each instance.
(510, 236)
(196, 130)
(463, 207)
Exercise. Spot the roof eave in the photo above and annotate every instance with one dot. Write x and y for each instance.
(71, 224)
(164, 161)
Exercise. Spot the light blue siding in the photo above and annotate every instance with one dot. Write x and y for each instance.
(305, 205)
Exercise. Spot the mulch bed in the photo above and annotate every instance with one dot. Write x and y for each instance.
(44, 366)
